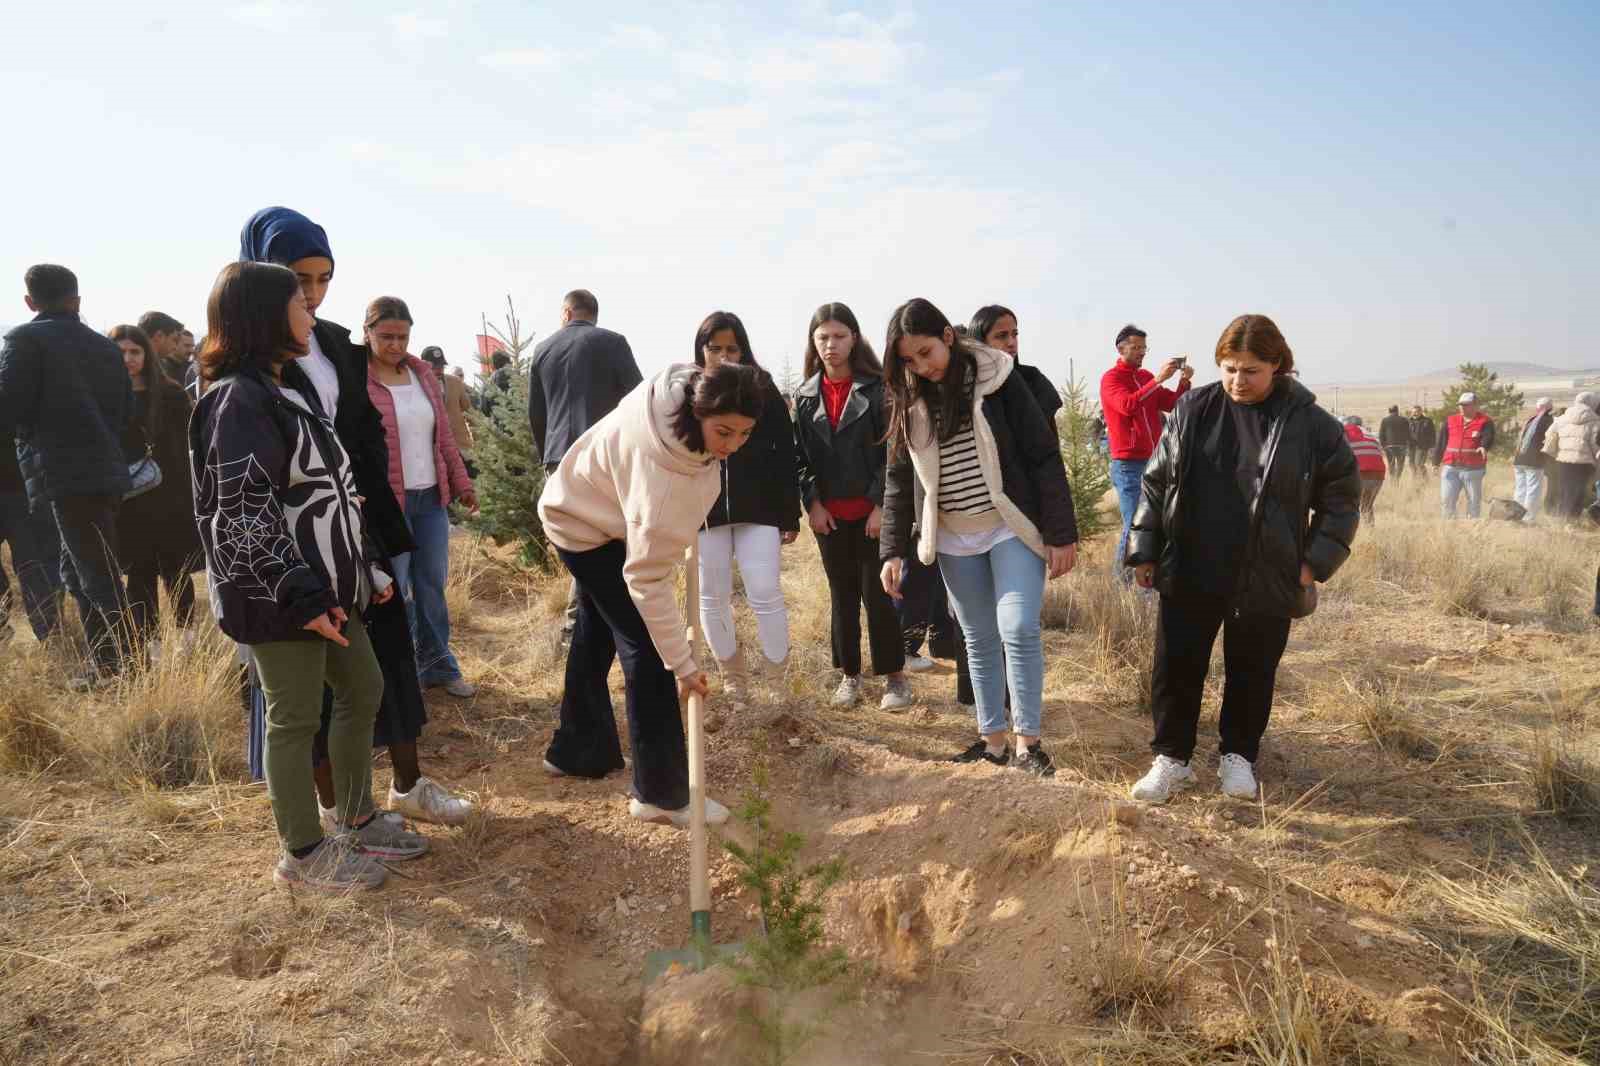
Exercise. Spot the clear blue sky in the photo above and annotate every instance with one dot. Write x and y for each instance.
(1401, 186)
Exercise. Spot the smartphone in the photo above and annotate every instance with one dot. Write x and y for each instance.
(1181, 361)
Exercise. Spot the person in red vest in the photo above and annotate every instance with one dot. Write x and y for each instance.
(1462, 454)
(1133, 402)
(1370, 460)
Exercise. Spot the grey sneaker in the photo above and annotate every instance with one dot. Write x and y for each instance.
(387, 838)
(896, 695)
(332, 827)
(332, 867)
(848, 692)
(461, 688)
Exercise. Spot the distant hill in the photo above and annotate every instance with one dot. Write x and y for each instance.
(1509, 371)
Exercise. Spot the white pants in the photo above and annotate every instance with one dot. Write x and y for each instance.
(756, 548)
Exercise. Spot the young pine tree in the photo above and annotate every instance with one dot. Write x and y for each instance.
(1088, 469)
(510, 470)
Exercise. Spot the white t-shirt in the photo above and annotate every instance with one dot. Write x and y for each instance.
(950, 542)
(413, 413)
(324, 375)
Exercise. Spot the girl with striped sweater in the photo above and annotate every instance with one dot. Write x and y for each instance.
(974, 457)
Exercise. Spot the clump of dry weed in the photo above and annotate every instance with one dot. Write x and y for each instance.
(1121, 624)
(1381, 706)
(1564, 782)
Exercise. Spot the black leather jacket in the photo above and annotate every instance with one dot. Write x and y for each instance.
(1306, 510)
(843, 463)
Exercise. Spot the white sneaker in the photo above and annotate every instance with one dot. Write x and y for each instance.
(848, 692)
(716, 813)
(896, 695)
(428, 801)
(1238, 777)
(918, 663)
(1167, 775)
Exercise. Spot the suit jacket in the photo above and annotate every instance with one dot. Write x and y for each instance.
(579, 375)
(360, 429)
(65, 394)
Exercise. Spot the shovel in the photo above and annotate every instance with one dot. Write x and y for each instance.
(700, 952)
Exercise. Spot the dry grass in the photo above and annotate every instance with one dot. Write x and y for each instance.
(1532, 942)
(1393, 722)
(1121, 625)
(1564, 783)
(1026, 842)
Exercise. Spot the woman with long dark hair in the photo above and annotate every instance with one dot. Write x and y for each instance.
(1251, 498)
(426, 475)
(156, 540)
(756, 513)
(996, 512)
(288, 567)
(996, 327)
(839, 432)
(623, 506)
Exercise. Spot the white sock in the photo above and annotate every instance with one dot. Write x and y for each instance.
(995, 749)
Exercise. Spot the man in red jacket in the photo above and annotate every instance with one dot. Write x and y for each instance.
(1133, 402)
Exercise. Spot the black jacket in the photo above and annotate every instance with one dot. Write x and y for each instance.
(360, 429)
(758, 483)
(1047, 395)
(1032, 475)
(578, 376)
(1305, 511)
(1422, 432)
(160, 523)
(275, 503)
(1530, 450)
(65, 395)
(843, 463)
(1394, 431)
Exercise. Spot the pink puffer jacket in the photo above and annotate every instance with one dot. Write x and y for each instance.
(447, 464)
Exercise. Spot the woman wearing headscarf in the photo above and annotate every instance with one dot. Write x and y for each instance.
(338, 374)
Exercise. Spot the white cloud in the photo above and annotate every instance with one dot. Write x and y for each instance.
(539, 58)
(275, 14)
(415, 26)
(636, 36)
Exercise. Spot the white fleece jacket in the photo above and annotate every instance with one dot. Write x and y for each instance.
(629, 478)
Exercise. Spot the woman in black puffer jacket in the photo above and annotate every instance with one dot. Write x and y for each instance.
(1251, 499)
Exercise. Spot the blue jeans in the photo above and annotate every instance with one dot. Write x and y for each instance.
(1530, 488)
(1452, 479)
(997, 597)
(422, 574)
(36, 556)
(1127, 477)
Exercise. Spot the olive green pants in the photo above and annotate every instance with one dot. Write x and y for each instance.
(292, 674)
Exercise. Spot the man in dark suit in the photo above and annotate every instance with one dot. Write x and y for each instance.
(65, 395)
(578, 376)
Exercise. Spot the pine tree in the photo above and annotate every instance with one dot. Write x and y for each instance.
(510, 469)
(1088, 469)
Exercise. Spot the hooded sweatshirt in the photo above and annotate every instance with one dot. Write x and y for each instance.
(630, 478)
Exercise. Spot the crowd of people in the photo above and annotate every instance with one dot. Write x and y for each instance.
(311, 471)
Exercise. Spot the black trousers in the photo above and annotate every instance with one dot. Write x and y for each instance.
(850, 559)
(1420, 457)
(90, 574)
(924, 610)
(1569, 488)
(608, 626)
(1397, 459)
(146, 573)
(1252, 645)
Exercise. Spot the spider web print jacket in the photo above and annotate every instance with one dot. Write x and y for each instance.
(277, 509)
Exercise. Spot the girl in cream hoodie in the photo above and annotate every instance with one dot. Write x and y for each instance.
(628, 498)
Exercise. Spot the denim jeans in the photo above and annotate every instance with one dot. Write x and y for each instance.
(89, 571)
(1127, 477)
(1452, 479)
(422, 574)
(997, 598)
(757, 550)
(1530, 488)
(36, 557)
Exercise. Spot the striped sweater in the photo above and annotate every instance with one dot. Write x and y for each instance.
(961, 486)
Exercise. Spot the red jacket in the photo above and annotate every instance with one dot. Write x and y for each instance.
(1133, 402)
(1369, 453)
(447, 464)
